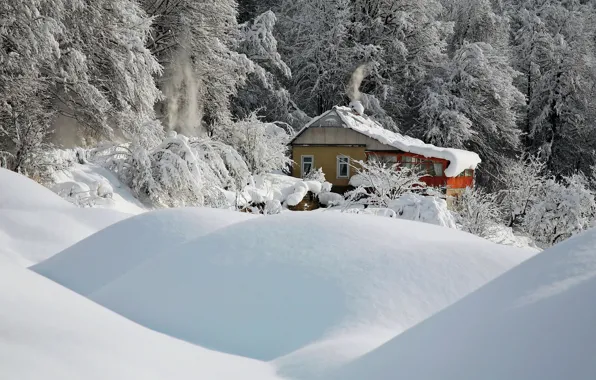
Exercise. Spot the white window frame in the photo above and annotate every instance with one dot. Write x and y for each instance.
(312, 164)
(338, 163)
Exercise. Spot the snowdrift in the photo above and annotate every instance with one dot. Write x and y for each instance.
(51, 333)
(35, 223)
(87, 184)
(537, 321)
(294, 286)
(101, 258)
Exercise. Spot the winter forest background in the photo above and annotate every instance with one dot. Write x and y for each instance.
(183, 99)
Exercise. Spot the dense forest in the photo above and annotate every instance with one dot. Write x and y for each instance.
(151, 85)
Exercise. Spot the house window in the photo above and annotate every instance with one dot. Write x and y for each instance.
(466, 173)
(343, 166)
(438, 169)
(307, 163)
(427, 167)
(409, 161)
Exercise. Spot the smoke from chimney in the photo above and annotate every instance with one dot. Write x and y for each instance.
(353, 90)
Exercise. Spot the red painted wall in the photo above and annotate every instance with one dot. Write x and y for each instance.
(435, 181)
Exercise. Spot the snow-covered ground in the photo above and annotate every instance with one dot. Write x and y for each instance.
(91, 185)
(35, 223)
(537, 321)
(308, 291)
(48, 332)
(94, 262)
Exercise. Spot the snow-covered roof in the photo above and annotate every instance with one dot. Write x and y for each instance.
(459, 160)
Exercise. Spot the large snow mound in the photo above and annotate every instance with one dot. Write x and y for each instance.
(35, 223)
(299, 283)
(48, 332)
(537, 321)
(101, 258)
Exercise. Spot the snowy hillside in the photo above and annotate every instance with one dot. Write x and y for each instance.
(35, 223)
(103, 257)
(534, 322)
(307, 290)
(51, 333)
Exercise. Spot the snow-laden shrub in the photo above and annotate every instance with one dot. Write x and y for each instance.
(263, 146)
(315, 175)
(522, 180)
(563, 208)
(329, 199)
(478, 212)
(264, 189)
(179, 171)
(426, 209)
(84, 195)
(378, 183)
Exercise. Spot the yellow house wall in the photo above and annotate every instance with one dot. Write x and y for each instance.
(325, 157)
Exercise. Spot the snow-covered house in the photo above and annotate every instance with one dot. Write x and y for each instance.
(333, 140)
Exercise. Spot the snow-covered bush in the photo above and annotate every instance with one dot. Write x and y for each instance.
(83, 195)
(24, 139)
(263, 146)
(180, 171)
(315, 175)
(478, 212)
(378, 183)
(563, 208)
(329, 199)
(426, 209)
(522, 180)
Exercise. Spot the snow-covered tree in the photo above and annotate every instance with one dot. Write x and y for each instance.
(180, 171)
(316, 45)
(553, 45)
(264, 90)
(563, 208)
(477, 21)
(29, 34)
(249, 9)
(378, 183)
(264, 146)
(478, 212)
(24, 138)
(522, 180)
(475, 106)
(88, 58)
(403, 43)
(195, 41)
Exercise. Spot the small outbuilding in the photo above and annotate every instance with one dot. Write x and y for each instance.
(342, 135)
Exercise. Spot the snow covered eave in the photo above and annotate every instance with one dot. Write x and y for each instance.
(459, 160)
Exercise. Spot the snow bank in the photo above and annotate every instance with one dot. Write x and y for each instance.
(87, 184)
(51, 333)
(429, 209)
(101, 258)
(293, 286)
(534, 322)
(35, 223)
